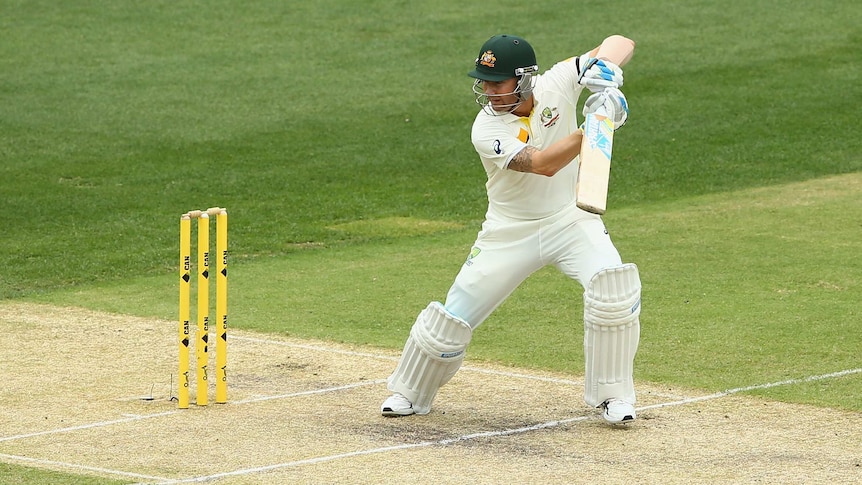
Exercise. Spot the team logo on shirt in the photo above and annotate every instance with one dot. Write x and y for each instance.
(549, 117)
(487, 59)
(473, 253)
(497, 148)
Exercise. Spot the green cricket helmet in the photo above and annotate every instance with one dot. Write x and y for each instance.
(502, 57)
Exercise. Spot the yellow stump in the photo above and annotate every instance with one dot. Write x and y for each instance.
(221, 307)
(201, 334)
(185, 311)
(201, 344)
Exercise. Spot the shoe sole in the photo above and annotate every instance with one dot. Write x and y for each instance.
(628, 418)
(396, 414)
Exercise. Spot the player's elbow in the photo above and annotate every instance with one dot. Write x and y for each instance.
(617, 48)
(621, 40)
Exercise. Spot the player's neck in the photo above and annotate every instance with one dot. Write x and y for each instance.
(525, 108)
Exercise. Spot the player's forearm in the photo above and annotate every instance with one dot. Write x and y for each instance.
(552, 159)
(616, 48)
(549, 161)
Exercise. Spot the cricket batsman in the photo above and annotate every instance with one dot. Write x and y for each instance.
(528, 139)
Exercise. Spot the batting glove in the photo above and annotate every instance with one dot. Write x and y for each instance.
(598, 74)
(614, 103)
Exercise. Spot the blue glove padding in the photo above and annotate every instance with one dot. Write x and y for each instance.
(598, 74)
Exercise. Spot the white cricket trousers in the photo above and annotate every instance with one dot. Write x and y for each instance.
(506, 253)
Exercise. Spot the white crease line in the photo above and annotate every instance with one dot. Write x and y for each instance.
(313, 391)
(100, 424)
(493, 434)
(76, 466)
(311, 347)
(737, 390)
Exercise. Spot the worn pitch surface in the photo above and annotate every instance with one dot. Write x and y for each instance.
(90, 393)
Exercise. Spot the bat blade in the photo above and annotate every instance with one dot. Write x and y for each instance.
(595, 163)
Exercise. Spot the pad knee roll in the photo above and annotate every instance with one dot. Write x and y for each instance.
(612, 304)
(433, 354)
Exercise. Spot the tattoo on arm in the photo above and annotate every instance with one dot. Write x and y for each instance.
(523, 160)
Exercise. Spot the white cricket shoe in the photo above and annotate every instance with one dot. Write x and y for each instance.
(397, 405)
(617, 411)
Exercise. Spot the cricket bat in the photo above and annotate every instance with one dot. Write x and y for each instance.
(594, 171)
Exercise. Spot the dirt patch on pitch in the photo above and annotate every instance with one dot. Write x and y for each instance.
(90, 393)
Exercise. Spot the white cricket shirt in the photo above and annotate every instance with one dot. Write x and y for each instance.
(525, 196)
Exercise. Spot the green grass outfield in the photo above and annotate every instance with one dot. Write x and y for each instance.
(337, 134)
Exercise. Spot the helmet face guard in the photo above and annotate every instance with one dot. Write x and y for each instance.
(504, 57)
(523, 91)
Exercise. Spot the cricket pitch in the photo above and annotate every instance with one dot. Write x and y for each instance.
(91, 393)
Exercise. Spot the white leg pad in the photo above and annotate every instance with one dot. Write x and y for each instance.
(432, 355)
(612, 305)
